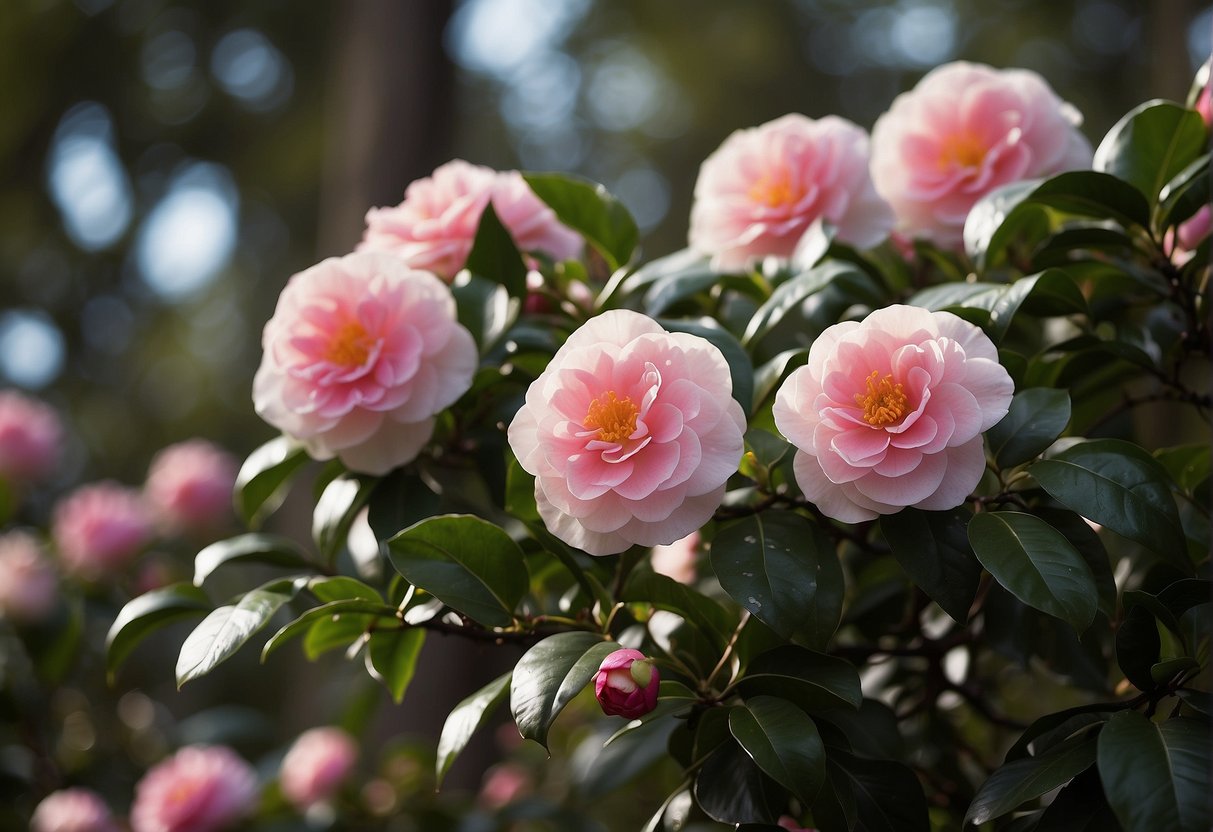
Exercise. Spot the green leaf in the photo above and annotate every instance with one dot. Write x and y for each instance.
(991, 217)
(933, 548)
(336, 631)
(1151, 144)
(1090, 193)
(589, 209)
(341, 588)
(391, 658)
(340, 502)
(784, 570)
(790, 294)
(1022, 780)
(740, 369)
(1036, 418)
(256, 548)
(704, 614)
(871, 731)
(1120, 486)
(1185, 194)
(484, 308)
(888, 797)
(622, 286)
(495, 256)
(1156, 776)
(142, 616)
(1053, 729)
(783, 741)
(466, 719)
(227, 628)
(1051, 291)
(1137, 646)
(814, 681)
(1036, 564)
(549, 675)
(732, 789)
(262, 481)
(770, 375)
(468, 563)
(599, 769)
(332, 611)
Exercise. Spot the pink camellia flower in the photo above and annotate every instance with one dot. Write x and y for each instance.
(792, 825)
(889, 413)
(100, 528)
(316, 765)
(965, 130)
(626, 684)
(73, 810)
(630, 432)
(189, 485)
(360, 355)
(1185, 239)
(677, 560)
(29, 588)
(433, 229)
(31, 437)
(763, 187)
(503, 784)
(199, 789)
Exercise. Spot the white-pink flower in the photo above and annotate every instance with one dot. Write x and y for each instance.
(963, 131)
(677, 560)
(199, 789)
(360, 355)
(189, 485)
(316, 765)
(100, 528)
(631, 432)
(434, 227)
(31, 437)
(73, 810)
(763, 187)
(29, 588)
(889, 413)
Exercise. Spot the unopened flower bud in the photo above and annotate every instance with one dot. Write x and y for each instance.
(626, 684)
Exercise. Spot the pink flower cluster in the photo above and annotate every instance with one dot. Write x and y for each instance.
(360, 355)
(316, 765)
(890, 412)
(760, 191)
(199, 789)
(189, 486)
(31, 438)
(434, 227)
(29, 588)
(100, 528)
(630, 432)
(73, 810)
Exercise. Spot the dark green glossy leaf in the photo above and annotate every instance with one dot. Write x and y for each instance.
(142, 616)
(705, 614)
(336, 632)
(933, 548)
(888, 797)
(1185, 194)
(1017, 782)
(391, 658)
(1118, 485)
(333, 610)
(1188, 465)
(1137, 646)
(871, 731)
(732, 789)
(588, 208)
(599, 769)
(1151, 144)
(495, 256)
(1079, 807)
(1156, 776)
(814, 681)
(1088, 543)
(227, 628)
(784, 570)
(1053, 729)
(1037, 564)
(470, 564)
(992, 222)
(790, 294)
(340, 502)
(783, 741)
(770, 375)
(740, 369)
(622, 286)
(255, 548)
(484, 308)
(341, 588)
(466, 719)
(262, 482)
(549, 675)
(1093, 194)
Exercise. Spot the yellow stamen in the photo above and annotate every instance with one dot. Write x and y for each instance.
(350, 346)
(884, 403)
(615, 418)
(962, 150)
(774, 189)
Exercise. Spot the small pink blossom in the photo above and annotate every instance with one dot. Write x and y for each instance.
(31, 438)
(316, 765)
(189, 485)
(792, 825)
(100, 528)
(1185, 239)
(504, 784)
(1201, 97)
(631, 433)
(963, 131)
(360, 355)
(73, 810)
(759, 192)
(199, 789)
(29, 588)
(677, 560)
(626, 684)
(889, 413)
(434, 227)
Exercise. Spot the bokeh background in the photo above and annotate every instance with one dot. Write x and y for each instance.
(166, 166)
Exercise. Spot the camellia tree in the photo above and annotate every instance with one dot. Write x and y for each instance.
(913, 411)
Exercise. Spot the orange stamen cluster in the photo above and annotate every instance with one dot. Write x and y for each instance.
(614, 418)
(884, 403)
(962, 150)
(774, 189)
(349, 347)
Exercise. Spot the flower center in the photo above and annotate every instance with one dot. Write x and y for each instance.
(774, 189)
(615, 418)
(884, 403)
(961, 150)
(350, 346)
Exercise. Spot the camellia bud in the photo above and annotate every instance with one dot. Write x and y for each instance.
(626, 684)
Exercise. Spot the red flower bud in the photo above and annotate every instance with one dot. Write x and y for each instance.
(626, 684)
